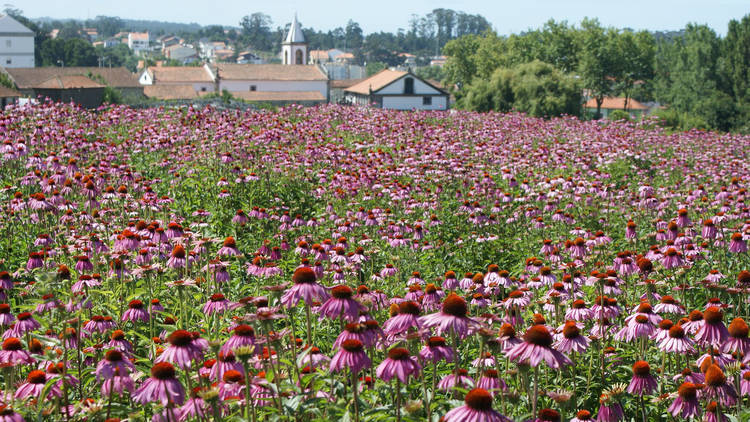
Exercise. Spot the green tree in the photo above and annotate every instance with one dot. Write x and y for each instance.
(599, 60)
(461, 66)
(736, 54)
(636, 64)
(536, 88)
(256, 31)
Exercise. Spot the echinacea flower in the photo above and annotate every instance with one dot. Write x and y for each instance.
(12, 353)
(738, 340)
(536, 346)
(351, 355)
(686, 404)
(182, 350)
(399, 364)
(642, 382)
(34, 385)
(406, 317)
(243, 336)
(435, 350)
(712, 332)
(162, 386)
(452, 318)
(571, 339)
(135, 312)
(477, 408)
(718, 388)
(114, 363)
(340, 305)
(304, 288)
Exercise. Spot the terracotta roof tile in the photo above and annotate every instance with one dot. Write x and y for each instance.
(27, 77)
(179, 74)
(376, 81)
(170, 92)
(614, 103)
(7, 92)
(280, 96)
(269, 72)
(68, 82)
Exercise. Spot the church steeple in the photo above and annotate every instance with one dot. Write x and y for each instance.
(294, 47)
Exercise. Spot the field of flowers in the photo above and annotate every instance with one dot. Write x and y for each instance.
(334, 263)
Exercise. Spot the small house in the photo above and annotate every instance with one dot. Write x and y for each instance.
(610, 104)
(397, 90)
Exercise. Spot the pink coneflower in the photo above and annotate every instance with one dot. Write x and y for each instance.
(578, 311)
(536, 346)
(135, 312)
(229, 248)
(672, 258)
(668, 305)
(435, 350)
(218, 304)
(490, 381)
(582, 416)
(642, 382)
(351, 355)
(459, 378)
(232, 384)
(686, 404)
(477, 408)
(718, 388)
(225, 362)
(737, 244)
(182, 350)
(114, 363)
(712, 332)
(571, 339)
(195, 407)
(340, 305)
(26, 323)
(12, 353)
(450, 282)
(118, 341)
(304, 288)
(7, 414)
(178, 257)
(738, 340)
(676, 342)
(161, 386)
(243, 336)
(399, 364)
(452, 318)
(406, 317)
(354, 331)
(34, 385)
(638, 327)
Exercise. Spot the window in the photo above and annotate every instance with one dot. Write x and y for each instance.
(203, 89)
(7, 61)
(409, 86)
(253, 87)
(7, 43)
(298, 55)
(426, 100)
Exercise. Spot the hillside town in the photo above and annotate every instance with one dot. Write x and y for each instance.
(171, 69)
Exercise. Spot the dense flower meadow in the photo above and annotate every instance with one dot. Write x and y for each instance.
(334, 263)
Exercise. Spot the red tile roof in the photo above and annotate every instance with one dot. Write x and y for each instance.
(376, 82)
(280, 96)
(68, 82)
(269, 72)
(170, 92)
(616, 103)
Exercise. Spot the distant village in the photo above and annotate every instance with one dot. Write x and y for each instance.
(210, 68)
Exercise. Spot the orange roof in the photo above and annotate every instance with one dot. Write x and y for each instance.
(169, 92)
(616, 103)
(345, 83)
(68, 82)
(269, 72)
(376, 82)
(141, 36)
(179, 74)
(7, 92)
(280, 96)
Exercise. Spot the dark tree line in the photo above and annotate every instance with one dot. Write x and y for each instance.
(701, 78)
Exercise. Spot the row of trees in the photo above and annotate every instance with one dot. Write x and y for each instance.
(700, 76)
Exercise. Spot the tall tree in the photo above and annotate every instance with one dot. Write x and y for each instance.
(598, 61)
(256, 31)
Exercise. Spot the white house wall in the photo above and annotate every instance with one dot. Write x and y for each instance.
(420, 88)
(275, 86)
(407, 102)
(20, 52)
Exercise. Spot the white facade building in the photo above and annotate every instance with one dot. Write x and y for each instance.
(16, 43)
(294, 47)
(269, 78)
(138, 42)
(397, 90)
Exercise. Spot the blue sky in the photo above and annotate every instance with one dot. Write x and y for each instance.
(389, 15)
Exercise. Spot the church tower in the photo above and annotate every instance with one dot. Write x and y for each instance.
(294, 47)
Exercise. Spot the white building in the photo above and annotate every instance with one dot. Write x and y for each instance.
(16, 43)
(397, 90)
(269, 78)
(198, 78)
(294, 47)
(138, 41)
